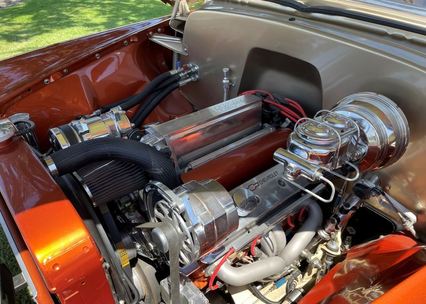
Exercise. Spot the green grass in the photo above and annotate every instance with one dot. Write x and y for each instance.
(34, 24)
(7, 258)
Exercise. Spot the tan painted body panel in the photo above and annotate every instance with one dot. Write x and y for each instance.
(346, 63)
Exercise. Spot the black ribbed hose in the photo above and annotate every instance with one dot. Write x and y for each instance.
(151, 87)
(152, 103)
(157, 165)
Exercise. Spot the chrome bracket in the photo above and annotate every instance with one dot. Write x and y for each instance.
(180, 13)
(170, 42)
(172, 244)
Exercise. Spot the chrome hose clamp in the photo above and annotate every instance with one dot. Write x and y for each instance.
(51, 165)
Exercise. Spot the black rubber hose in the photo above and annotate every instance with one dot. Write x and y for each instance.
(256, 292)
(174, 79)
(135, 100)
(158, 166)
(151, 104)
(148, 90)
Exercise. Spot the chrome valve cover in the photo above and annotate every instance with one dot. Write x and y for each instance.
(198, 134)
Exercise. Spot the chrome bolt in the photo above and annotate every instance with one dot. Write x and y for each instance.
(351, 230)
(281, 182)
(420, 207)
(7, 130)
(332, 246)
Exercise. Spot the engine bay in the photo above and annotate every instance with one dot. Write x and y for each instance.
(171, 239)
(251, 197)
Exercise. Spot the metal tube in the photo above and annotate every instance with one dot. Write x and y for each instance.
(304, 235)
(268, 244)
(244, 275)
(247, 274)
(280, 238)
(274, 242)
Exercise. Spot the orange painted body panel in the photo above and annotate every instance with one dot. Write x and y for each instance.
(374, 271)
(43, 295)
(411, 290)
(52, 230)
(95, 71)
(248, 160)
(55, 85)
(25, 74)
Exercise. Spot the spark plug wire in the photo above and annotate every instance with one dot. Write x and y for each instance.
(287, 110)
(216, 270)
(254, 244)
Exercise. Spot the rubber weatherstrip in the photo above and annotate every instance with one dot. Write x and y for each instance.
(334, 11)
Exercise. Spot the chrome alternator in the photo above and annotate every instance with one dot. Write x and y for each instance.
(202, 212)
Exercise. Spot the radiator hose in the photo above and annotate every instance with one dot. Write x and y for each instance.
(156, 164)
